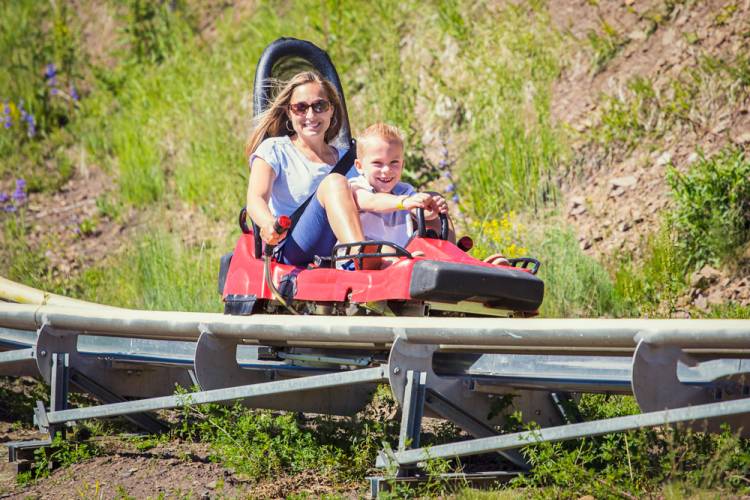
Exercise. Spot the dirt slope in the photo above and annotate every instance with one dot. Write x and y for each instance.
(615, 194)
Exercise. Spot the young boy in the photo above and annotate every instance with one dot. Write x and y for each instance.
(383, 200)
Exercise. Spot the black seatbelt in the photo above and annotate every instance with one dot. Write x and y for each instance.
(341, 167)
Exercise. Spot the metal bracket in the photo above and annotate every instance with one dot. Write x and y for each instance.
(412, 410)
(447, 397)
(656, 384)
(216, 367)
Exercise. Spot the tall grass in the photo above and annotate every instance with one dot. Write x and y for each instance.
(576, 285)
(157, 273)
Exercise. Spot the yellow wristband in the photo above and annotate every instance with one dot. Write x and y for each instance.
(401, 201)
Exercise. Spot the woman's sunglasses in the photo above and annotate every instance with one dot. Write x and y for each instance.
(300, 108)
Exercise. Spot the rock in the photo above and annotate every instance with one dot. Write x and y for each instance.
(680, 315)
(624, 226)
(743, 138)
(664, 159)
(212, 485)
(701, 302)
(705, 277)
(714, 298)
(578, 210)
(692, 158)
(637, 35)
(576, 201)
(585, 244)
(623, 182)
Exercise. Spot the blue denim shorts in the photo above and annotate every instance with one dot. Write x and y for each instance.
(311, 236)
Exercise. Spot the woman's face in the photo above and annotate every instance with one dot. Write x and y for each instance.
(310, 111)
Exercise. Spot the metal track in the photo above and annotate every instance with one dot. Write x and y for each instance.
(452, 368)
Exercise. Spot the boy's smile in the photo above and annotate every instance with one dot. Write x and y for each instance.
(382, 163)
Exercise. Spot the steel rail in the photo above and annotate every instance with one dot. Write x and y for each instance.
(566, 432)
(567, 333)
(10, 291)
(328, 380)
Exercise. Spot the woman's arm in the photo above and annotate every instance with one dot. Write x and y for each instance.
(258, 194)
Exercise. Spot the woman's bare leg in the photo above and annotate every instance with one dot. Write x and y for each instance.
(335, 195)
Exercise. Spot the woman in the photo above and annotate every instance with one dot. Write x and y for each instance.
(290, 159)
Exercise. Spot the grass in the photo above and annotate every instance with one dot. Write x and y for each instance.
(157, 273)
(712, 207)
(605, 44)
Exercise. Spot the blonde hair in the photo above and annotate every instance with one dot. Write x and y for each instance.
(274, 121)
(380, 130)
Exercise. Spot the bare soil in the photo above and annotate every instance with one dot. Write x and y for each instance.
(615, 198)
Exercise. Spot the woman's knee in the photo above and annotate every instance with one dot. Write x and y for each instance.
(334, 185)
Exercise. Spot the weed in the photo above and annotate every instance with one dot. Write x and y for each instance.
(605, 46)
(155, 29)
(575, 284)
(652, 286)
(712, 212)
(157, 273)
(61, 453)
(503, 236)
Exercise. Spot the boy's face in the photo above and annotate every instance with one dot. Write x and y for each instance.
(381, 163)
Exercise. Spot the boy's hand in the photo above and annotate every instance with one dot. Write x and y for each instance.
(434, 206)
(417, 200)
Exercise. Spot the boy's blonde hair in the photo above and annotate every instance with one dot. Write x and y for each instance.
(379, 130)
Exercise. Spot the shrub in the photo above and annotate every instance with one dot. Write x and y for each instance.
(712, 207)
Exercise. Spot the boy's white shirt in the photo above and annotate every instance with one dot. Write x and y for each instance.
(389, 226)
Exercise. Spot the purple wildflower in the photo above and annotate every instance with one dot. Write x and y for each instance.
(447, 174)
(443, 163)
(31, 124)
(50, 71)
(74, 93)
(455, 198)
(10, 208)
(7, 119)
(450, 188)
(19, 195)
(4, 197)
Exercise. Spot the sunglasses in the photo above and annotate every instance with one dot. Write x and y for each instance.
(300, 108)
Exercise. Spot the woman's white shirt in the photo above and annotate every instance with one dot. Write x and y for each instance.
(296, 176)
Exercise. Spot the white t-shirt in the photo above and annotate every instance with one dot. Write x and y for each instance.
(389, 226)
(296, 177)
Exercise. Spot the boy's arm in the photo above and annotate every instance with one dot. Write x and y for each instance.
(368, 201)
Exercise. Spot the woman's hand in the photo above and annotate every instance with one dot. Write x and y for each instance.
(269, 235)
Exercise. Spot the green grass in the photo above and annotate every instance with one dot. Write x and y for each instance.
(157, 273)
(605, 44)
(576, 285)
(712, 207)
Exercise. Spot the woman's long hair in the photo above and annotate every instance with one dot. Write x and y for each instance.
(274, 122)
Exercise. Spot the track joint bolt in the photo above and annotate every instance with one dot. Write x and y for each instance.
(396, 370)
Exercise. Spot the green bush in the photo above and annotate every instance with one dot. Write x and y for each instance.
(712, 207)
(652, 285)
(575, 285)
